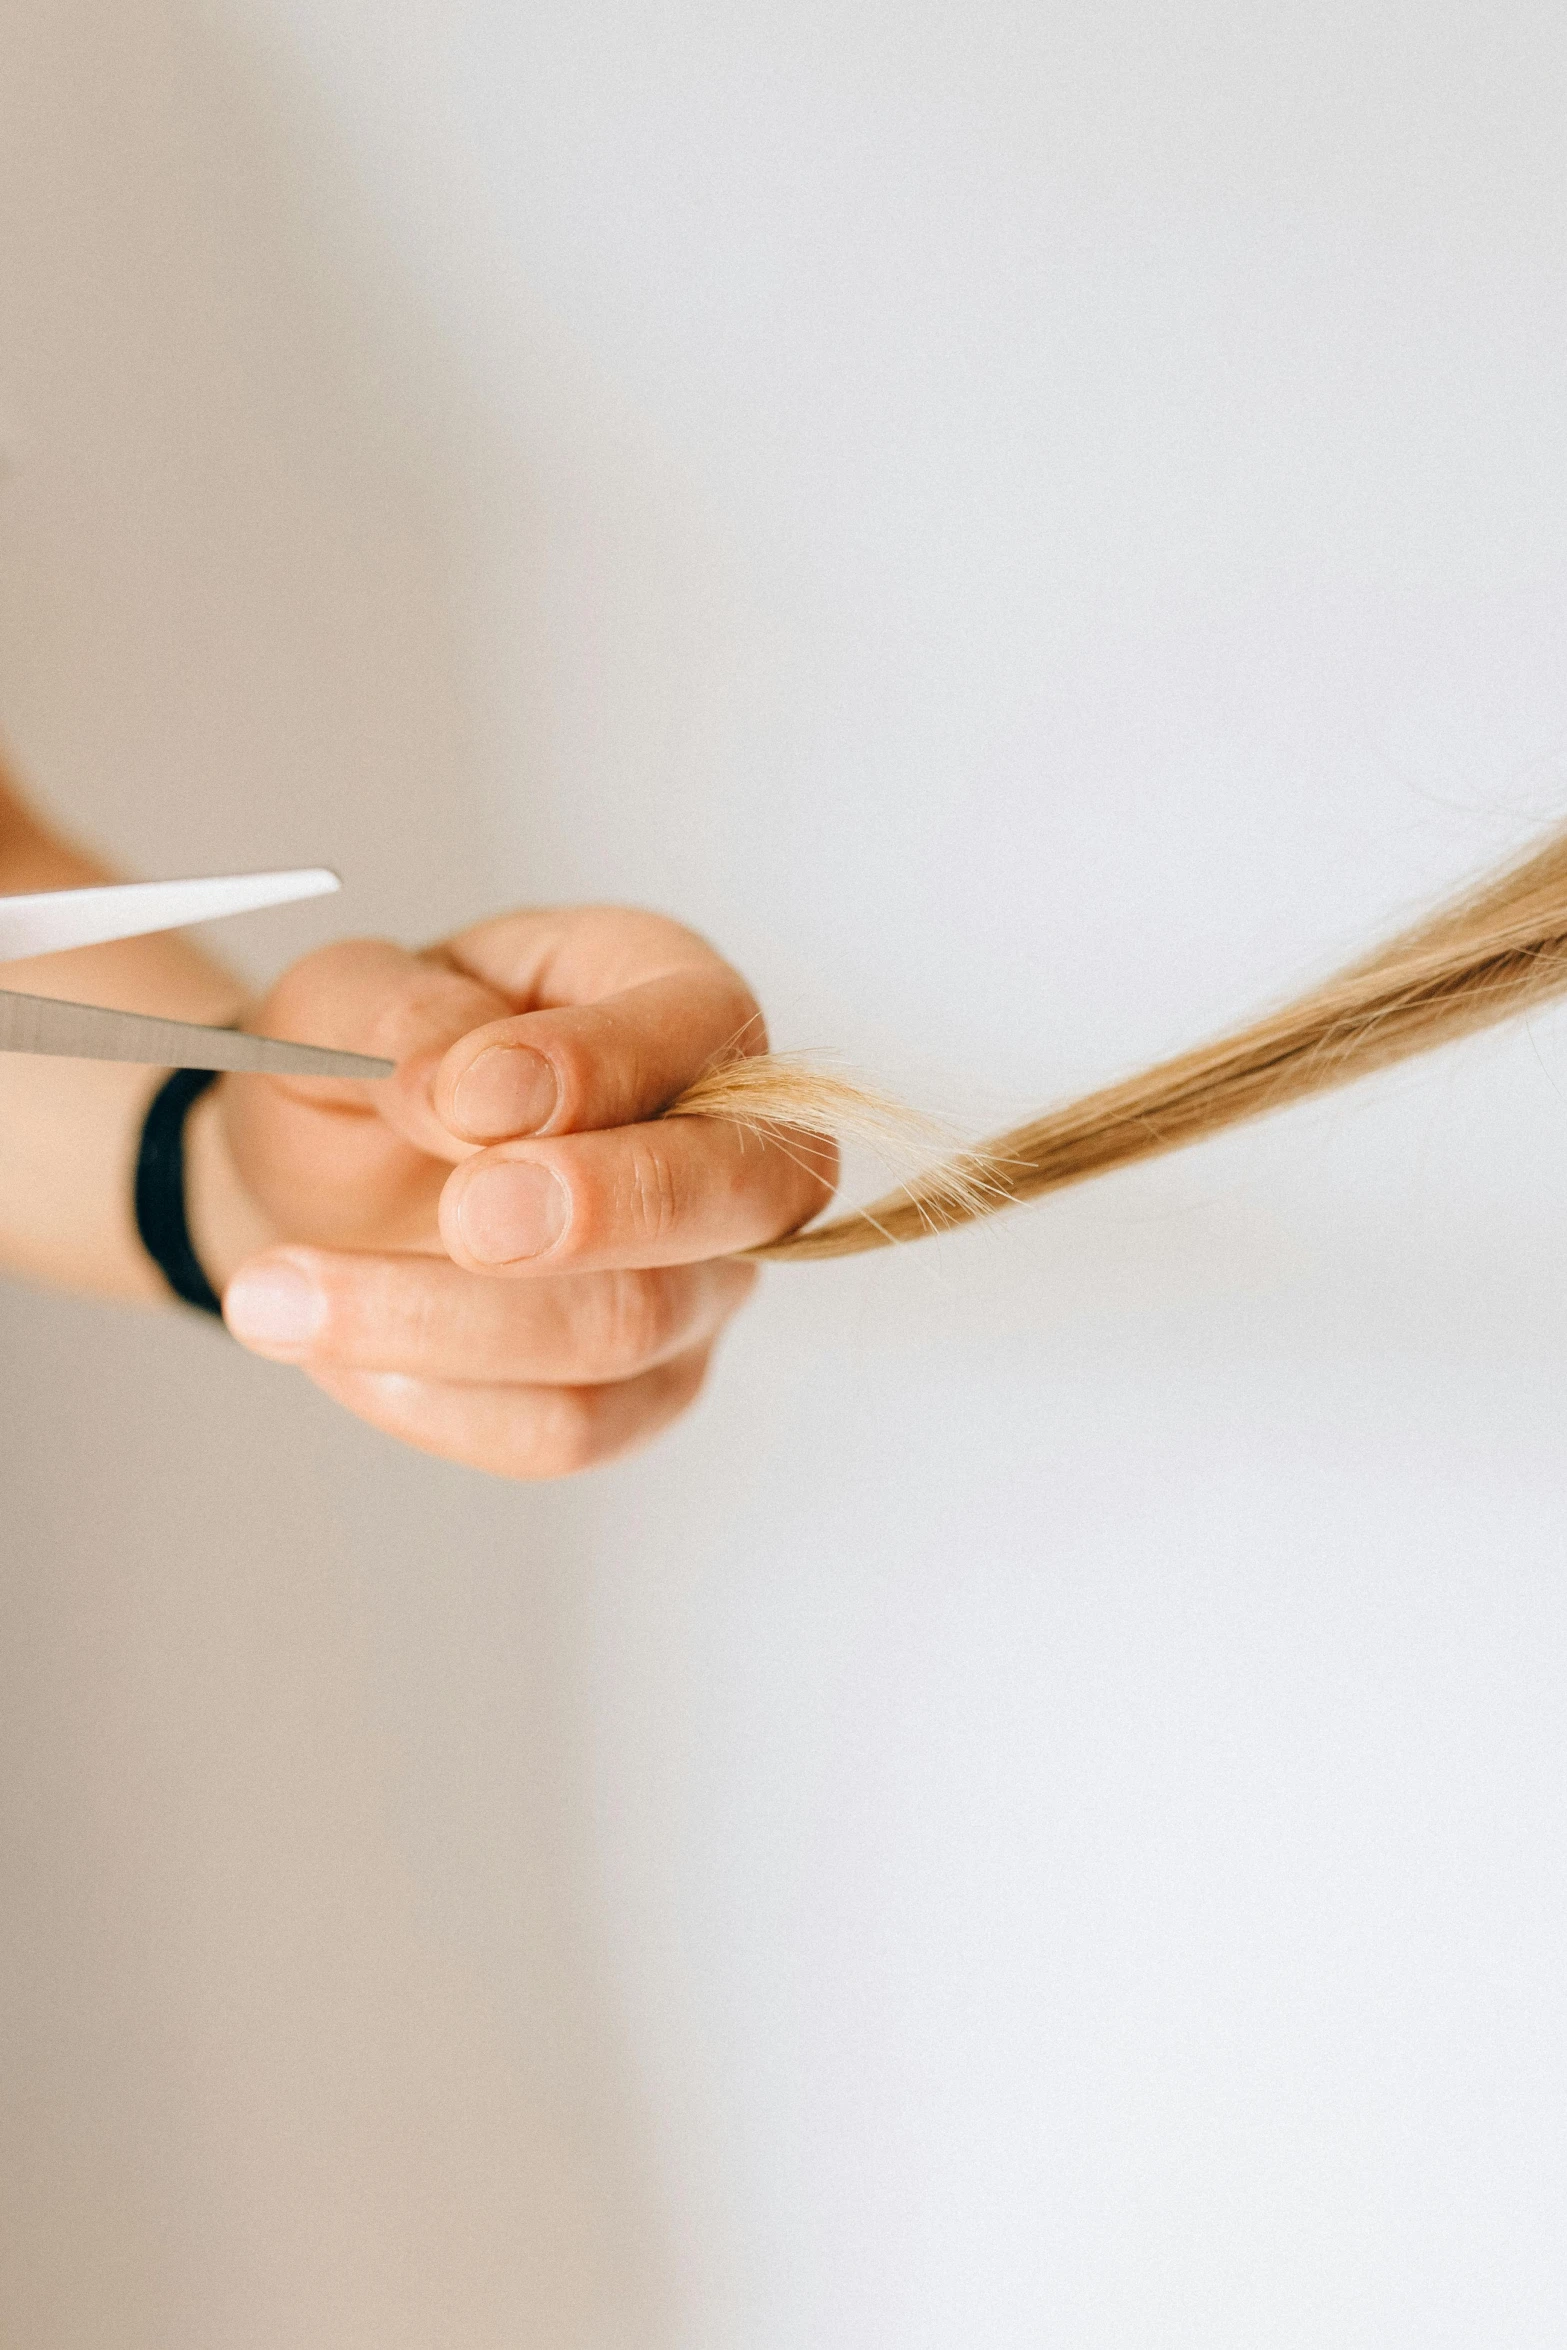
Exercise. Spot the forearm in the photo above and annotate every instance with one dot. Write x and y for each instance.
(68, 1129)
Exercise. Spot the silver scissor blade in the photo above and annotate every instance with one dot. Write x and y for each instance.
(85, 1032)
(46, 921)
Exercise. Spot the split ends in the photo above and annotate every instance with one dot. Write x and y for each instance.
(1496, 952)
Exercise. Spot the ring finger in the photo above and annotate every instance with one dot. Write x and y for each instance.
(520, 1431)
(426, 1318)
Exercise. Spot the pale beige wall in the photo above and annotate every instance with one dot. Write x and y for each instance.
(1036, 1816)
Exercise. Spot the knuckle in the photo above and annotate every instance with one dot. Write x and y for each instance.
(414, 1321)
(652, 1195)
(680, 1383)
(631, 943)
(638, 1318)
(429, 1003)
(383, 1314)
(751, 1024)
(317, 980)
(740, 1012)
(565, 1436)
(680, 944)
(737, 1281)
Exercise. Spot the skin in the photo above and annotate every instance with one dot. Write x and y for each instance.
(502, 1254)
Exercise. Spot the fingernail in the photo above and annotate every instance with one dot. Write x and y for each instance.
(511, 1211)
(275, 1308)
(509, 1089)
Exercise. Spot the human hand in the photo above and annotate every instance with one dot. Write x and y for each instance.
(501, 1254)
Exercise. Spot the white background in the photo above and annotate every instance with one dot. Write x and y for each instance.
(1038, 1816)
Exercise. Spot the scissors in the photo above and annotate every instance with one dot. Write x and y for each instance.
(50, 920)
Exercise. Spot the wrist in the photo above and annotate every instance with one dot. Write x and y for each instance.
(226, 1225)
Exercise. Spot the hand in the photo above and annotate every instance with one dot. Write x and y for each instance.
(500, 1254)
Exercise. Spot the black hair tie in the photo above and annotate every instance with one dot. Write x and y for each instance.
(160, 1189)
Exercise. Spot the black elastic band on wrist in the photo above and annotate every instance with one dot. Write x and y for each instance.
(160, 1189)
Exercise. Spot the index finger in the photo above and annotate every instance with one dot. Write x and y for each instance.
(543, 956)
(620, 1056)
